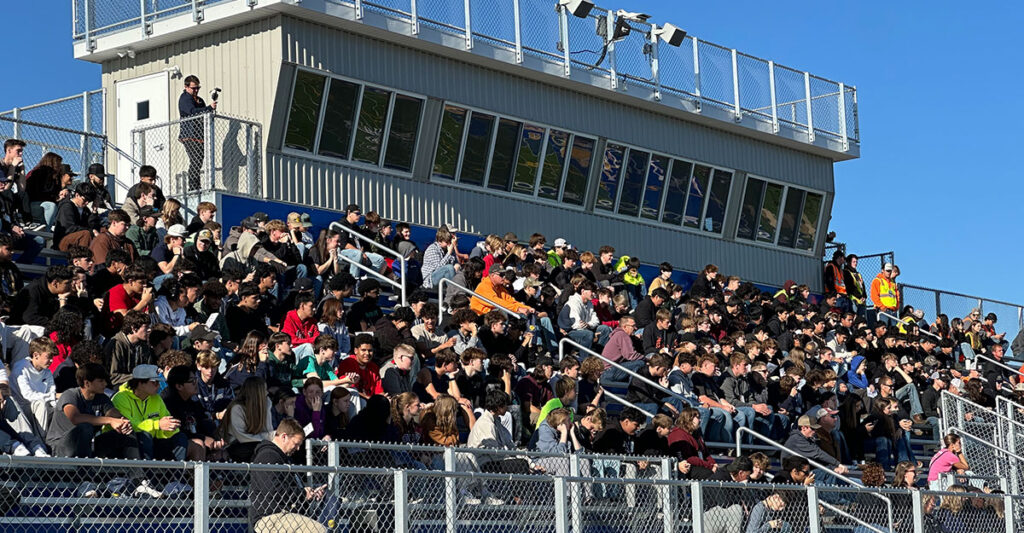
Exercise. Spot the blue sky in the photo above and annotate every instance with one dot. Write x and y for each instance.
(937, 91)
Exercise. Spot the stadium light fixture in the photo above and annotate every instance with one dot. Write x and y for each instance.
(671, 34)
(578, 8)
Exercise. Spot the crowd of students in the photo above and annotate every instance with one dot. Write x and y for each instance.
(163, 339)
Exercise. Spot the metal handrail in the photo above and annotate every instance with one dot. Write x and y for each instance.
(997, 363)
(961, 295)
(337, 226)
(567, 340)
(773, 444)
(919, 328)
(440, 299)
(377, 275)
(622, 401)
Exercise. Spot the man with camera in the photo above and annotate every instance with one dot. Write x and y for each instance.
(191, 131)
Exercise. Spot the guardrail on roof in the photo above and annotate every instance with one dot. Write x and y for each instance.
(623, 48)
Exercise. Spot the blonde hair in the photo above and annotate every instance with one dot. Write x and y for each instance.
(494, 243)
(207, 359)
(953, 504)
(445, 411)
(170, 213)
(557, 417)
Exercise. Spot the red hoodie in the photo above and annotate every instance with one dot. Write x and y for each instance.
(301, 331)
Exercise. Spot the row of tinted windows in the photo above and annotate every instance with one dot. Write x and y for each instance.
(657, 187)
(344, 120)
(779, 214)
(481, 149)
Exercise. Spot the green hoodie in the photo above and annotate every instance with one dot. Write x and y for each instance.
(145, 414)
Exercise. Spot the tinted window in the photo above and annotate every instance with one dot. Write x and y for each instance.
(305, 111)
(676, 193)
(809, 221)
(611, 167)
(503, 160)
(698, 191)
(633, 183)
(528, 161)
(405, 122)
(787, 230)
(655, 185)
(478, 142)
(336, 131)
(749, 209)
(449, 142)
(769, 220)
(579, 171)
(714, 216)
(373, 113)
(554, 164)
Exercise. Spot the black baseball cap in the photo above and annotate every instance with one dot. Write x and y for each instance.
(66, 169)
(98, 170)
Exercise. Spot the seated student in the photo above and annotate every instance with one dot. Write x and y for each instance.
(247, 359)
(157, 431)
(496, 338)
(309, 409)
(246, 315)
(75, 223)
(336, 415)
(767, 514)
(432, 382)
(18, 432)
(32, 383)
(278, 500)
(171, 305)
(533, 390)
(205, 212)
(440, 425)
(579, 321)
(489, 432)
(618, 437)
(107, 278)
(86, 351)
(168, 253)
(366, 312)
(660, 337)
(203, 254)
(86, 423)
(143, 234)
(133, 294)
(331, 322)
(284, 405)
(277, 365)
(397, 375)
(113, 238)
(301, 326)
(466, 333)
(649, 397)
(319, 366)
(392, 330)
(37, 302)
(212, 391)
(129, 348)
(652, 441)
(361, 373)
(247, 422)
(471, 380)
(196, 423)
(565, 392)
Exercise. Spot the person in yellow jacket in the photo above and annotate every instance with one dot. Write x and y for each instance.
(154, 426)
(883, 294)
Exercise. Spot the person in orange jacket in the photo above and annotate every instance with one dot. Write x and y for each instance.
(493, 288)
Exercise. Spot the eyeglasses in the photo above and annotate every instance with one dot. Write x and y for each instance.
(195, 87)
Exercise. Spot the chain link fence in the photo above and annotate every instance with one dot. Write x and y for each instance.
(72, 127)
(203, 153)
(987, 438)
(59, 494)
(93, 18)
(1010, 316)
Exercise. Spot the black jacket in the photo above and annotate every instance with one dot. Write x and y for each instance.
(188, 105)
(275, 491)
(70, 219)
(158, 195)
(645, 313)
(34, 305)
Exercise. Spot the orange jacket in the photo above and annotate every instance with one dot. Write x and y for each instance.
(498, 295)
(883, 293)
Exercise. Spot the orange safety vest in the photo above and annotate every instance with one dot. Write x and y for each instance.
(838, 283)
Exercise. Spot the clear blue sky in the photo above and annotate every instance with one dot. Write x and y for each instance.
(938, 90)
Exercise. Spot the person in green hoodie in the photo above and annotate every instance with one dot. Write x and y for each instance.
(156, 429)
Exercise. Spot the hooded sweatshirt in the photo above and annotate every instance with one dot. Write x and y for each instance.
(856, 380)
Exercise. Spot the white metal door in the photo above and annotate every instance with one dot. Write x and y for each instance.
(142, 101)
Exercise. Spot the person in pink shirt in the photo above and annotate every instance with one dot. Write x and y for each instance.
(950, 457)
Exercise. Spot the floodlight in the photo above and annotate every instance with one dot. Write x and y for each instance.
(671, 34)
(578, 8)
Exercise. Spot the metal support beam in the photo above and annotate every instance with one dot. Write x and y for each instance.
(469, 27)
(415, 17)
(696, 73)
(519, 31)
(655, 64)
(842, 117)
(612, 64)
(737, 113)
(775, 104)
(807, 99)
(563, 34)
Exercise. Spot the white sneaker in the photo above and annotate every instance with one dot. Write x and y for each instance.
(21, 451)
(41, 453)
(471, 500)
(491, 500)
(145, 489)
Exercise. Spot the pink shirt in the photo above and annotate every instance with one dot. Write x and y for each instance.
(941, 463)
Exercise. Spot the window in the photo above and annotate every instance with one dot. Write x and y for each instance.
(305, 111)
(142, 110)
(779, 214)
(367, 124)
(339, 119)
(485, 150)
(659, 187)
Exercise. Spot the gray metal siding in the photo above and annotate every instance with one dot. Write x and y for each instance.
(307, 181)
(244, 61)
(385, 63)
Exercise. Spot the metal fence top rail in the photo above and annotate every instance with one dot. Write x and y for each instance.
(52, 127)
(660, 59)
(960, 294)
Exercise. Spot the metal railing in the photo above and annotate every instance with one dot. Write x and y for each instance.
(205, 152)
(954, 304)
(401, 287)
(634, 375)
(78, 148)
(472, 293)
(62, 493)
(768, 442)
(697, 75)
(992, 448)
(983, 357)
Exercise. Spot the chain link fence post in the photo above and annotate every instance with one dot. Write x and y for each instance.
(401, 501)
(451, 494)
(201, 493)
(697, 511)
(561, 512)
(813, 514)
